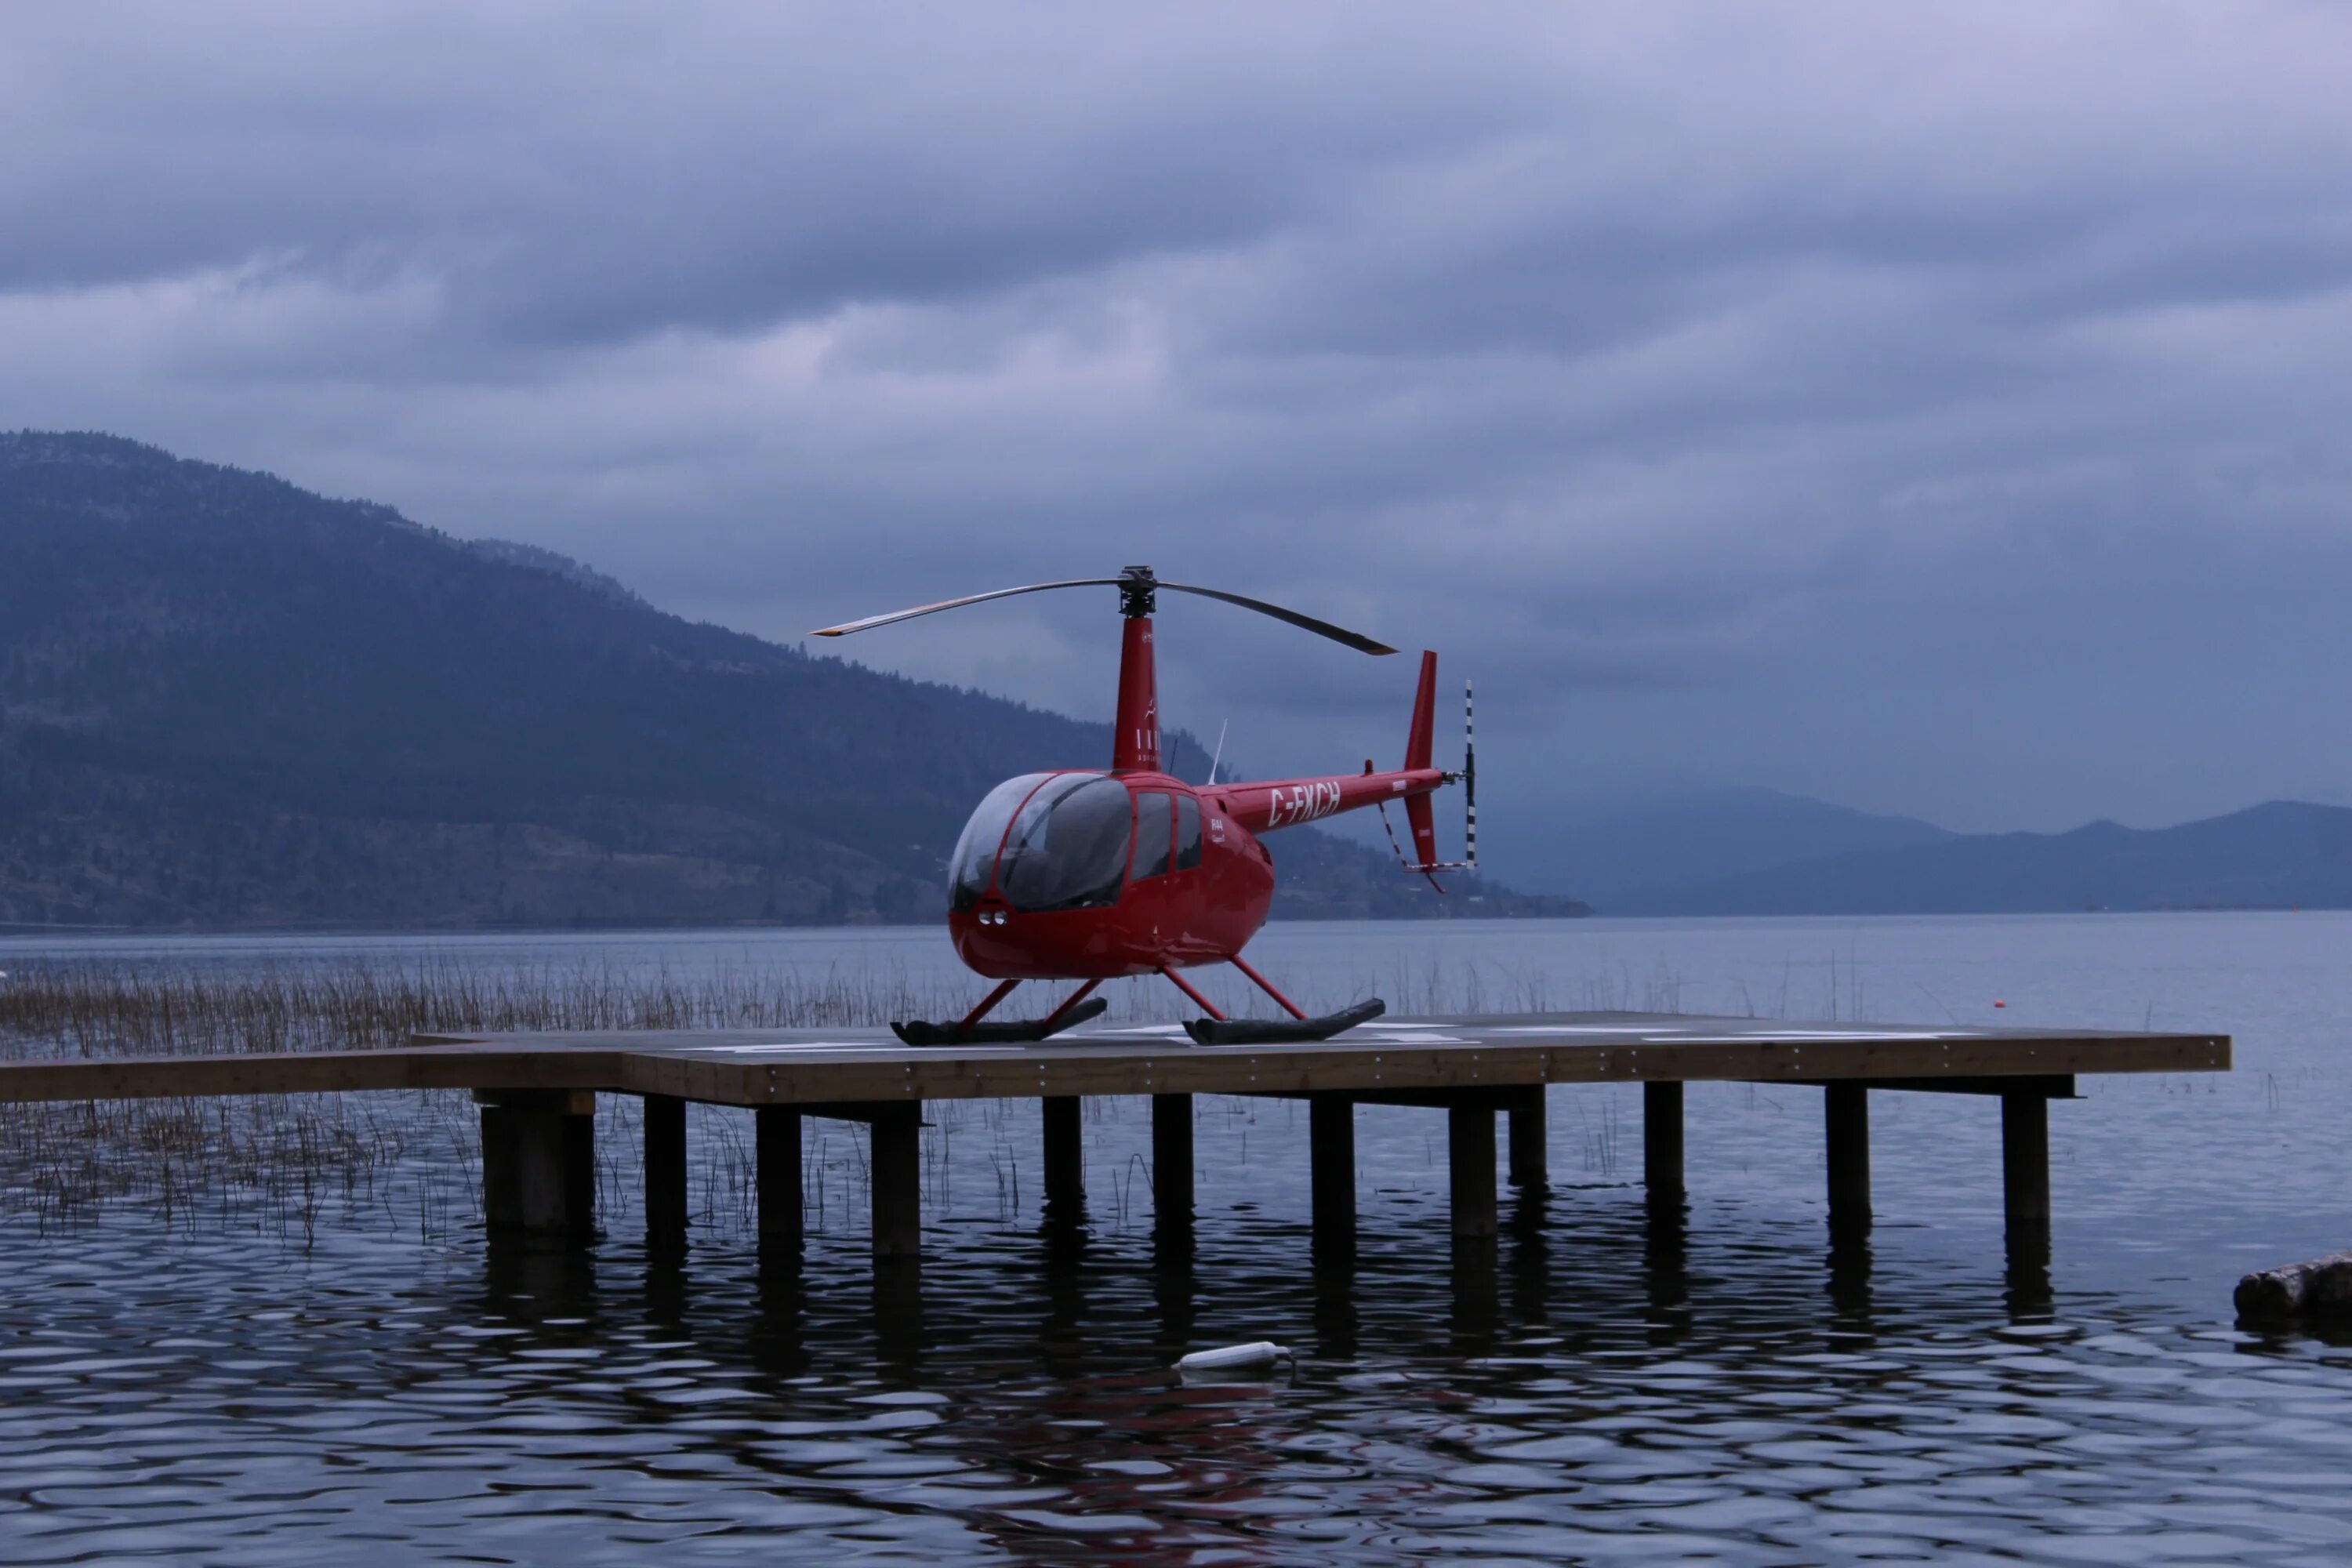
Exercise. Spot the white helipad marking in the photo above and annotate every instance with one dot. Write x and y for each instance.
(1802, 1036)
(1397, 1033)
(1361, 1035)
(798, 1045)
(1570, 1029)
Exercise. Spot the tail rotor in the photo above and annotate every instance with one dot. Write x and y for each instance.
(1469, 785)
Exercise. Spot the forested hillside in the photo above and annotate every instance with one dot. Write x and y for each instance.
(225, 702)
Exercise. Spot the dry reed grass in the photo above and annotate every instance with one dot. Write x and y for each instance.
(88, 1008)
(283, 1160)
(91, 1009)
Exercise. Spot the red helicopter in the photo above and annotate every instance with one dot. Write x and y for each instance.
(1085, 875)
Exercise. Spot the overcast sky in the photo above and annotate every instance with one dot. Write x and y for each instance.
(1937, 409)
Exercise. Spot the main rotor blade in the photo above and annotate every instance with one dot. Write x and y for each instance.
(1356, 640)
(871, 621)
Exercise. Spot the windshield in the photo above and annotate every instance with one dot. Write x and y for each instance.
(975, 852)
(1067, 849)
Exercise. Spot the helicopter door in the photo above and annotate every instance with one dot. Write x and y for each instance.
(1188, 832)
(1154, 844)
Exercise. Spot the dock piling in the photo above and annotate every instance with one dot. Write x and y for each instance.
(1846, 1116)
(538, 1163)
(501, 1196)
(1065, 1169)
(1470, 1159)
(1331, 1173)
(896, 1160)
(1662, 1139)
(2025, 1166)
(776, 1139)
(664, 1133)
(1529, 1167)
(1171, 1162)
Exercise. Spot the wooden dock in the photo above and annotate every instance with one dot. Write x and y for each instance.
(538, 1095)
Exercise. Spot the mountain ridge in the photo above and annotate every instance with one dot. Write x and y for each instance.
(1634, 841)
(2281, 853)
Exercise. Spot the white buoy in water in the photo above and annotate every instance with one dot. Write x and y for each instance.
(1228, 1358)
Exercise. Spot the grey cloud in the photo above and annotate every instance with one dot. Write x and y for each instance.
(587, 182)
(1772, 394)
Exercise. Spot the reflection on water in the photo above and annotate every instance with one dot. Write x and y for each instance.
(1714, 1376)
(1606, 1383)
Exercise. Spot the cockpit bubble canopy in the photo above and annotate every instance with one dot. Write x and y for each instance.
(975, 852)
(1064, 839)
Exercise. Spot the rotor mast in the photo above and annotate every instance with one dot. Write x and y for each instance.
(1135, 740)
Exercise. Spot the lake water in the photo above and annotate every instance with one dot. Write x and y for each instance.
(1719, 1387)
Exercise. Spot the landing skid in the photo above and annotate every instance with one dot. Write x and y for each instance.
(923, 1033)
(1280, 1031)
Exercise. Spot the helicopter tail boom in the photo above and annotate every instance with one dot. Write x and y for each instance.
(1263, 805)
(1285, 803)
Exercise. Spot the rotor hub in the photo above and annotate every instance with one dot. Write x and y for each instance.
(1137, 591)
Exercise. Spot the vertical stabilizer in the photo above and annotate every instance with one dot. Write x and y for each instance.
(1425, 714)
(1417, 747)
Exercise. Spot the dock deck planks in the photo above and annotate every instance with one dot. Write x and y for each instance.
(1392, 1057)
